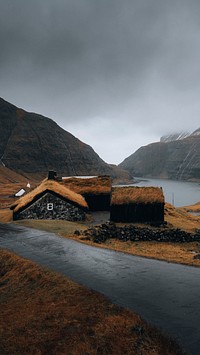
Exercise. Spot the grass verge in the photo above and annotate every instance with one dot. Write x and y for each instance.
(42, 312)
(182, 253)
(173, 252)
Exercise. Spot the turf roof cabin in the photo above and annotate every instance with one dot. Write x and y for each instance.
(96, 190)
(50, 200)
(137, 204)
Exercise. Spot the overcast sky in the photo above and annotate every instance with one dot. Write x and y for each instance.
(118, 74)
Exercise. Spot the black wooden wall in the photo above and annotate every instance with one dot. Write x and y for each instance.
(138, 213)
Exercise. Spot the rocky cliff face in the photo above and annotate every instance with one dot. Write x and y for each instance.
(176, 160)
(33, 144)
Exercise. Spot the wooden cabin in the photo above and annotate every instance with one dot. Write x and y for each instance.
(50, 200)
(96, 190)
(133, 204)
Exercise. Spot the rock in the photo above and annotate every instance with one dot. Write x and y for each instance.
(129, 232)
(137, 329)
(196, 257)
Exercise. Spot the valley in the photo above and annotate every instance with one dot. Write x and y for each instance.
(32, 145)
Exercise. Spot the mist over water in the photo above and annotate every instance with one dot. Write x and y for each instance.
(178, 193)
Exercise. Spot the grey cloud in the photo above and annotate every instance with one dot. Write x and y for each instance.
(131, 61)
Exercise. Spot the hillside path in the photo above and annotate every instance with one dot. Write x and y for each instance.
(165, 294)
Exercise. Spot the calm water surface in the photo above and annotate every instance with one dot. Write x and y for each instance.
(178, 193)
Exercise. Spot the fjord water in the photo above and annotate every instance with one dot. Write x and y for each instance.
(178, 193)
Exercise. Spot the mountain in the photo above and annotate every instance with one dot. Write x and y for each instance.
(32, 144)
(8, 176)
(174, 137)
(177, 160)
(197, 132)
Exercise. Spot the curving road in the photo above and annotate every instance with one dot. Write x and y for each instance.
(167, 295)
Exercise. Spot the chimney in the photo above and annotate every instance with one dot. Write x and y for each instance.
(52, 175)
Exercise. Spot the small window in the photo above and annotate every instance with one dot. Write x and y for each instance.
(49, 206)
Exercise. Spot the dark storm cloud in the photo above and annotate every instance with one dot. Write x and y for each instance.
(103, 64)
(86, 40)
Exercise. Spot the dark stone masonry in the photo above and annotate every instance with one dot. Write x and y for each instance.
(129, 232)
(52, 207)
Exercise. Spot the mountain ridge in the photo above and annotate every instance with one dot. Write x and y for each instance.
(174, 136)
(176, 160)
(33, 144)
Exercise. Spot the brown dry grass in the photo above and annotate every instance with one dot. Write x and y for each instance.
(44, 313)
(54, 226)
(6, 216)
(8, 190)
(9, 176)
(180, 218)
(135, 194)
(95, 185)
(11, 189)
(170, 252)
(49, 185)
(193, 208)
(9, 186)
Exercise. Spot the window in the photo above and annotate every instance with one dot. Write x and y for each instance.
(49, 206)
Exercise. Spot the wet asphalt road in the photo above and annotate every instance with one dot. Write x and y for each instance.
(167, 295)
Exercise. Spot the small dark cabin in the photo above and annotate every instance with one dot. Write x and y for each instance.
(134, 204)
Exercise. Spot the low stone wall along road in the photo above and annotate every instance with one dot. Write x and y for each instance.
(165, 294)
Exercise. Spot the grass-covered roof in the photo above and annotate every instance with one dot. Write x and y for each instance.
(135, 194)
(49, 186)
(93, 185)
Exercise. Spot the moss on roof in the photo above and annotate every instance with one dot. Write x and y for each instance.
(95, 185)
(49, 186)
(135, 194)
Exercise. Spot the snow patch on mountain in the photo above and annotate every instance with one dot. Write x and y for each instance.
(196, 133)
(174, 137)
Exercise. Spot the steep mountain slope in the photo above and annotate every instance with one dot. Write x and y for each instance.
(174, 136)
(9, 176)
(33, 144)
(177, 160)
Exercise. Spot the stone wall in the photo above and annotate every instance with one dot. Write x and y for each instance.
(100, 234)
(51, 207)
